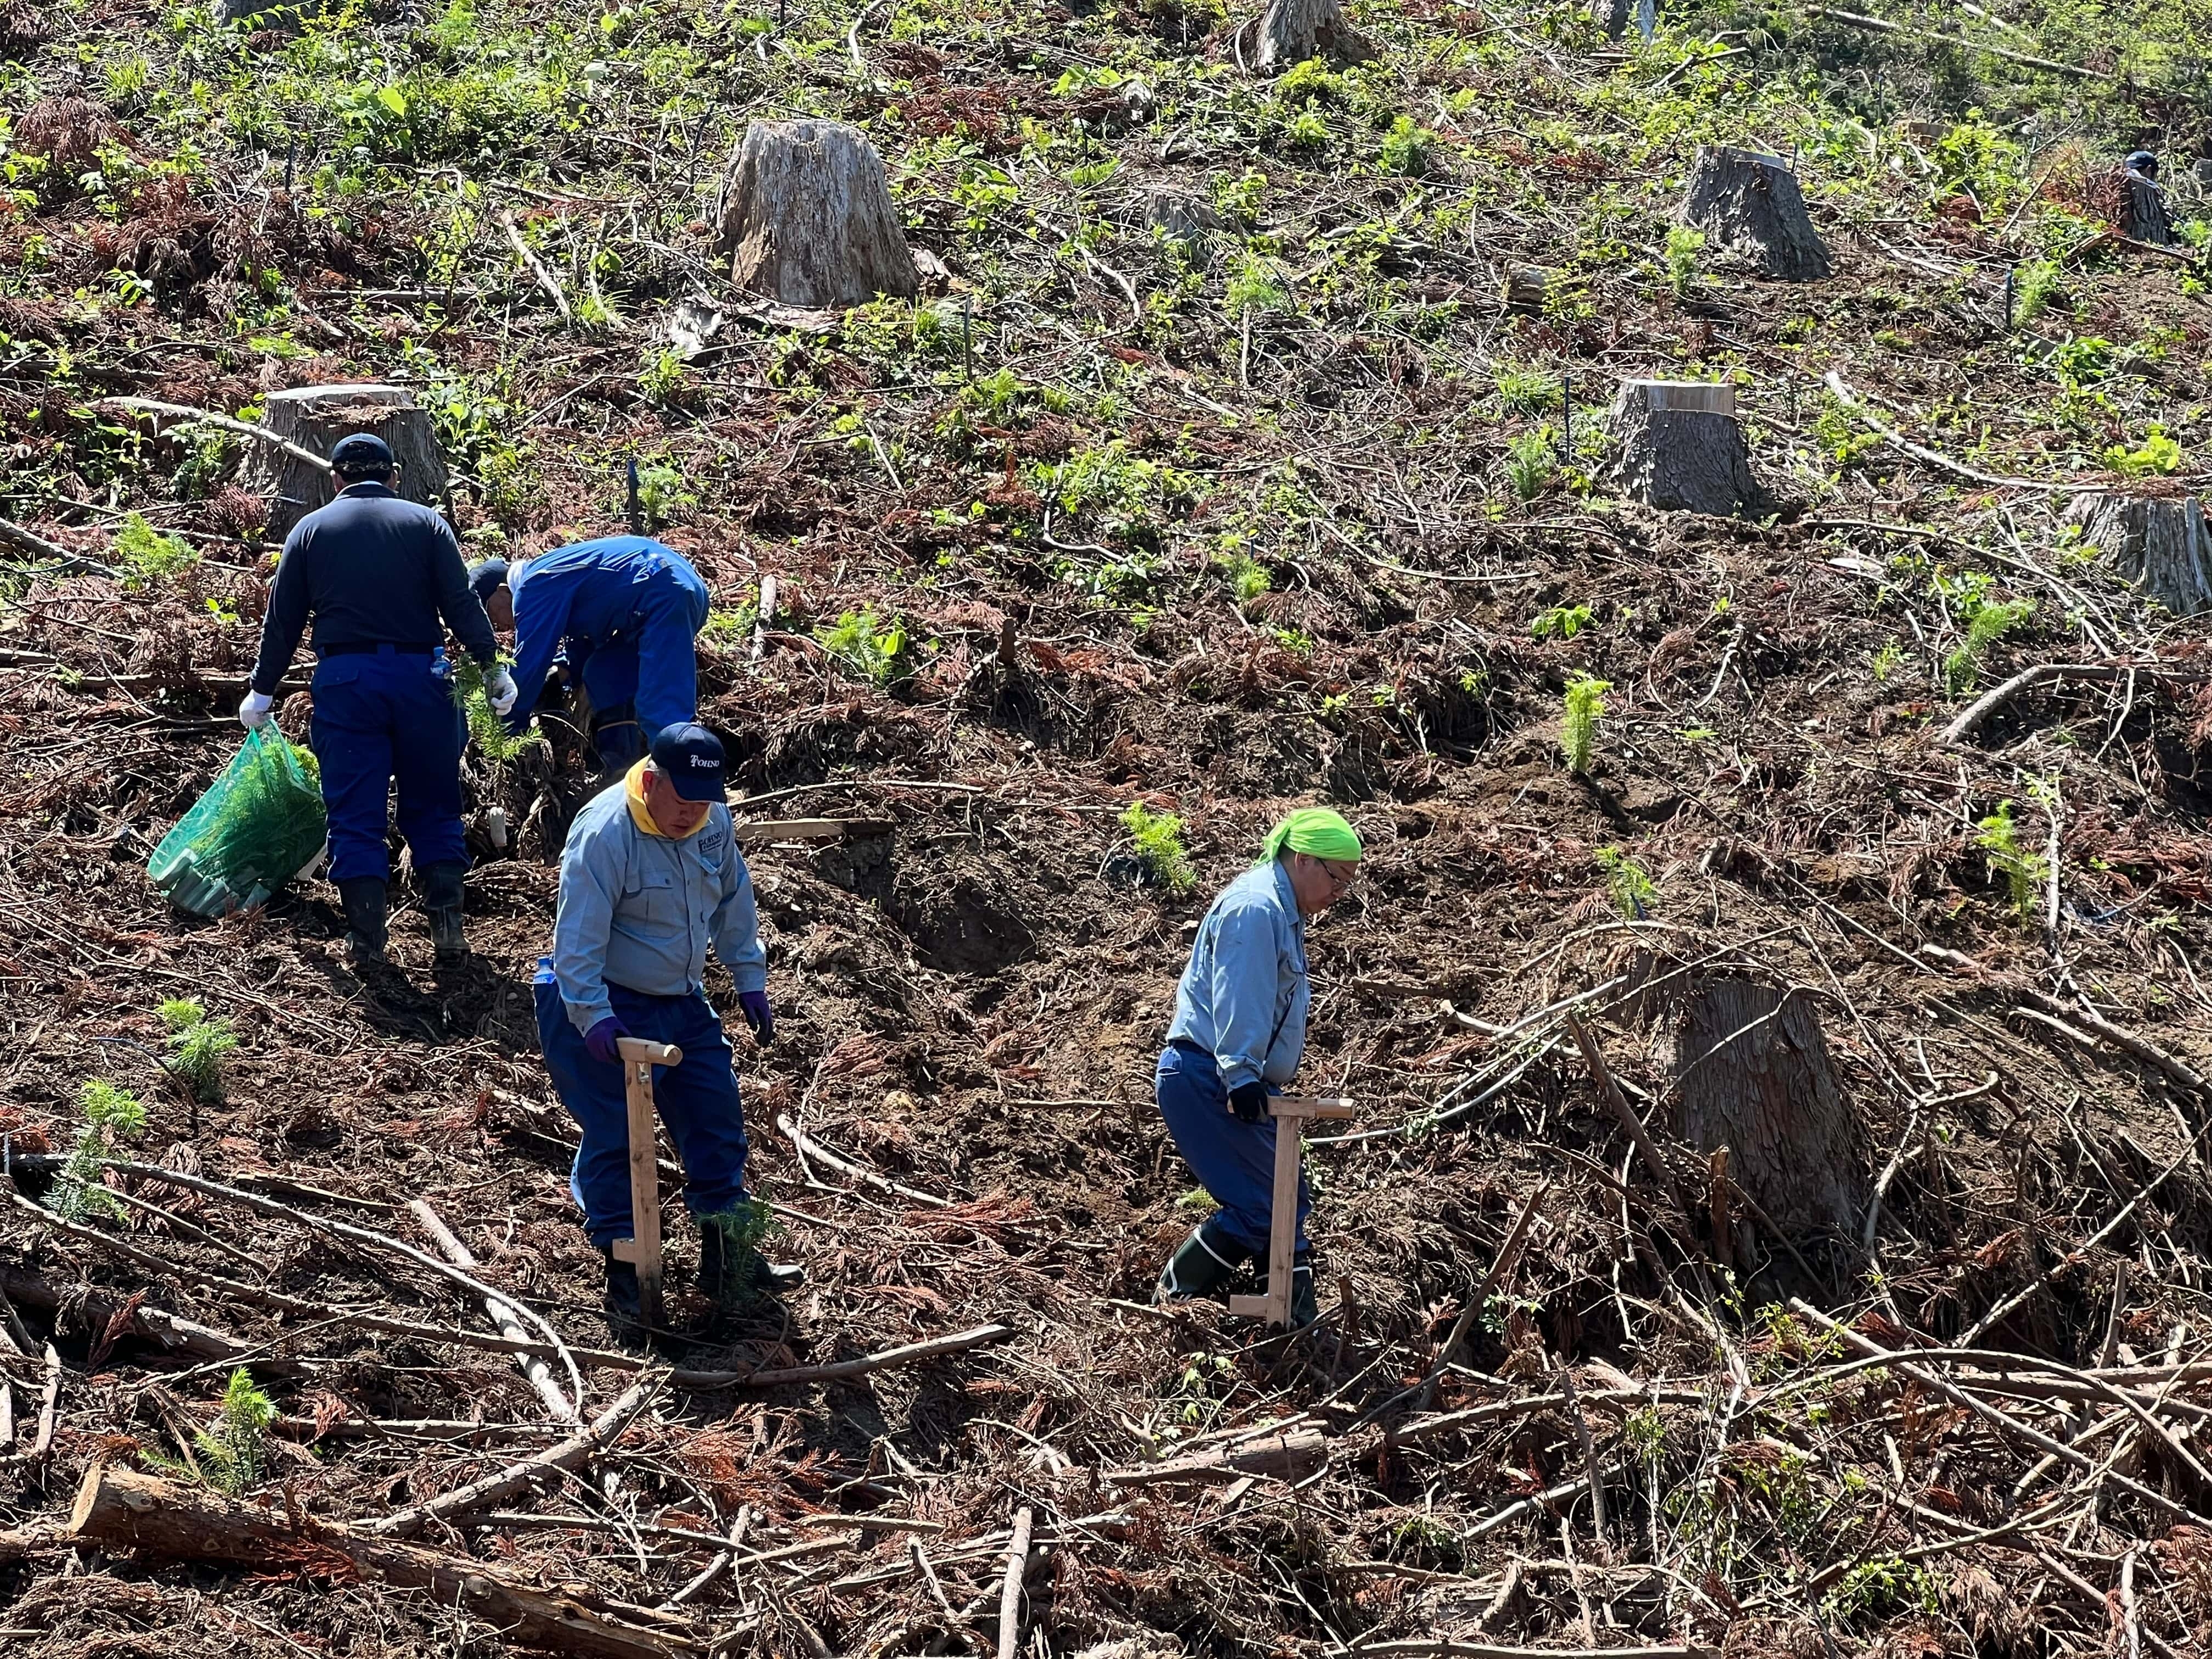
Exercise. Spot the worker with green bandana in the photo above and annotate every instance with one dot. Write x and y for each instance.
(1240, 1026)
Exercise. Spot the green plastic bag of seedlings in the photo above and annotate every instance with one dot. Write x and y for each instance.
(258, 825)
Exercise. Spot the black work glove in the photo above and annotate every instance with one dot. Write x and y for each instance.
(1249, 1101)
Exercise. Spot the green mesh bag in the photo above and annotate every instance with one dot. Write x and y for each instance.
(258, 825)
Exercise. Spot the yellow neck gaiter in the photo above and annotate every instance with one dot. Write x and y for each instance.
(641, 815)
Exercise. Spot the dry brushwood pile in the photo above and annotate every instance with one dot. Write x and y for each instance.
(1778, 1217)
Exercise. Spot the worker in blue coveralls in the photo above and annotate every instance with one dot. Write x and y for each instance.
(650, 875)
(383, 580)
(1240, 1026)
(626, 612)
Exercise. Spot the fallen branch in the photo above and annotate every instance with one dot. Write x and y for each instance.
(2177, 1070)
(1882, 26)
(1835, 383)
(1010, 1594)
(517, 1478)
(1501, 1268)
(501, 1314)
(123, 1508)
(535, 266)
(911, 1354)
(1990, 701)
(185, 415)
(1289, 1458)
(1452, 1648)
(813, 1148)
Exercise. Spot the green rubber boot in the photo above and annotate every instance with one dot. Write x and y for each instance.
(1203, 1265)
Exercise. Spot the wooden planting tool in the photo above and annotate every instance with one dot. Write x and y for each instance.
(639, 1057)
(1289, 1114)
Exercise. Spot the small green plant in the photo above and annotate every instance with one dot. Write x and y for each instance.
(1561, 622)
(1529, 462)
(1645, 1432)
(1246, 574)
(109, 1116)
(1158, 838)
(1526, 390)
(1406, 148)
(663, 379)
(1584, 707)
(743, 1228)
(727, 630)
(1683, 247)
(1988, 620)
(661, 493)
(2035, 286)
(200, 1044)
(2159, 454)
(1884, 662)
(1881, 1588)
(234, 1450)
(2024, 872)
(1626, 883)
(146, 555)
(878, 652)
(486, 729)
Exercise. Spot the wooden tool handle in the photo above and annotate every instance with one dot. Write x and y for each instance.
(1293, 1106)
(659, 1053)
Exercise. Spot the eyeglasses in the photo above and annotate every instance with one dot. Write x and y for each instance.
(1338, 871)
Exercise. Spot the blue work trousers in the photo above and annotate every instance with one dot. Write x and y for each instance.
(382, 717)
(1234, 1161)
(697, 1100)
(646, 677)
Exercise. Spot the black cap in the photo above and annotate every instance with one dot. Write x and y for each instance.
(361, 451)
(690, 757)
(2144, 162)
(486, 577)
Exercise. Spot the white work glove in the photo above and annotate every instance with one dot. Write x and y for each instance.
(253, 713)
(501, 689)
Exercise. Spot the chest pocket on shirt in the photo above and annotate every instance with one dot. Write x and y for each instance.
(654, 894)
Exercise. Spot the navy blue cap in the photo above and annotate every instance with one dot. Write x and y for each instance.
(2144, 162)
(690, 757)
(486, 577)
(361, 451)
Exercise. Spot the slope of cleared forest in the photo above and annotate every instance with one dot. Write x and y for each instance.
(1209, 474)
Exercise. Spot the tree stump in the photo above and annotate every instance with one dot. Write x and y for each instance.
(1681, 451)
(1187, 219)
(809, 220)
(1752, 1071)
(2144, 216)
(317, 417)
(1292, 31)
(1523, 290)
(2160, 545)
(1749, 205)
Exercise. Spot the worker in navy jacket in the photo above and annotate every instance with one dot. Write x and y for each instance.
(382, 579)
(625, 612)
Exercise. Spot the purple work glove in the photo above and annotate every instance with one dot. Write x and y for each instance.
(1249, 1101)
(601, 1038)
(753, 1004)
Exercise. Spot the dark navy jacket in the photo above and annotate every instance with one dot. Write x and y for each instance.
(597, 593)
(372, 569)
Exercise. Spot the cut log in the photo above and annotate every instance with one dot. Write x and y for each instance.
(809, 220)
(1750, 208)
(1523, 290)
(1289, 1457)
(1291, 31)
(1188, 219)
(2144, 216)
(317, 417)
(1752, 1073)
(122, 1507)
(2160, 545)
(1680, 450)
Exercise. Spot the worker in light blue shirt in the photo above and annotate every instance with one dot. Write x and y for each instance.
(651, 876)
(623, 612)
(1240, 1027)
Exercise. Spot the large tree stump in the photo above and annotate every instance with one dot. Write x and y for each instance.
(808, 219)
(2143, 215)
(317, 417)
(2159, 544)
(1752, 1073)
(1749, 206)
(121, 1508)
(1291, 31)
(1680, 450)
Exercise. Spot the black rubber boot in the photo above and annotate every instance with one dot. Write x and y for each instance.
(1203, 1265)
(1304, 1307)
(625, 1306)
(365, 900)
(734, 1274)
(442, 903)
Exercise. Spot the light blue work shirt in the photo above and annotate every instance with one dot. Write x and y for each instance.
(639, 910)
(1244, 997)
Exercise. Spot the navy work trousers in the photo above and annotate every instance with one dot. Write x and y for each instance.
(647, 677)
(382, 717)
(697, 1100)
(1234, 1161)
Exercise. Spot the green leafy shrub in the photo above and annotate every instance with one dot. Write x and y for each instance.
(1585, 707)
(146, 555)
(1683, 247)
(1627, 884)
(1406, 148)
(878, 652)
(1526, 390)
(234, 1450)
(1988, 620)
(1561, 622)
(1528, 462)
(2159, 454)
(661, 493)
(1246, 574)
(2024, 870)
(1158, 839)
(200, 1044)
(743, 1228)
(2035, 284)
(109, 1116)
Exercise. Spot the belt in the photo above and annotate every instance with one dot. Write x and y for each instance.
(1190, 1048)
(367, 648)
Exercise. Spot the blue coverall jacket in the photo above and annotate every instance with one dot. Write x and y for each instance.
(627, 611)
(383, 580)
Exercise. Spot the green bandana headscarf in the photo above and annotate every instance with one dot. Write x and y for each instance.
(1315, 830)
